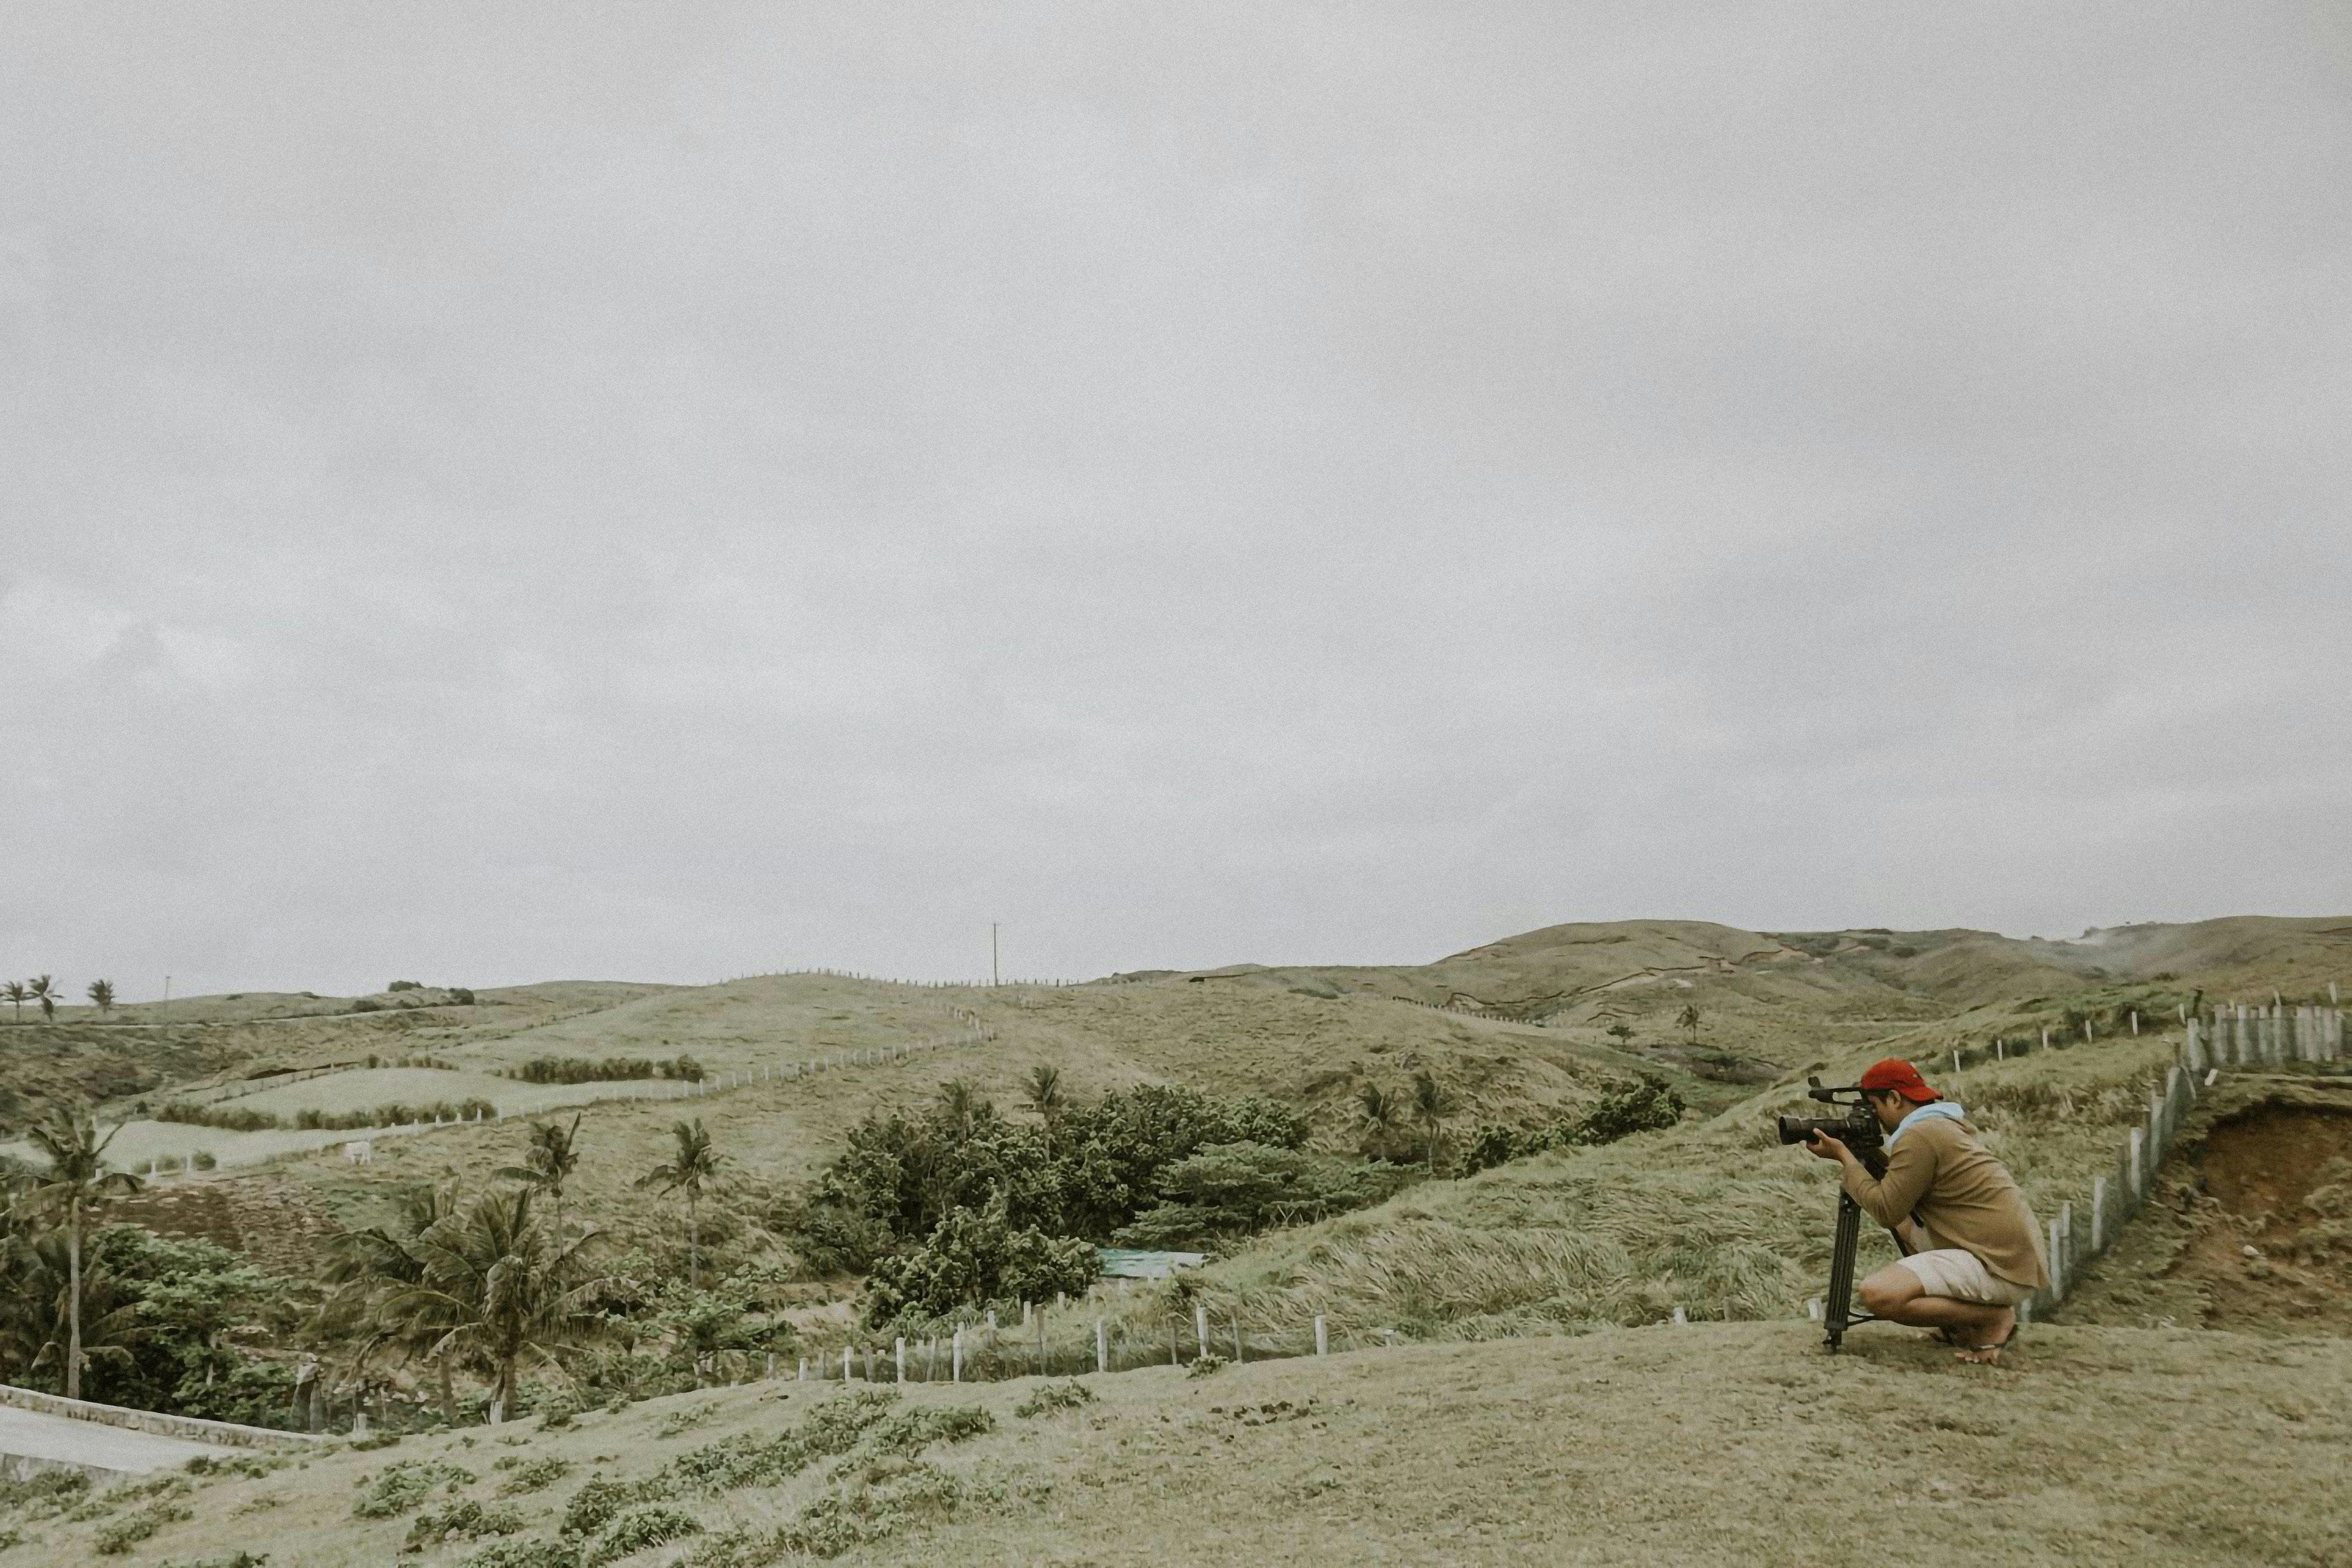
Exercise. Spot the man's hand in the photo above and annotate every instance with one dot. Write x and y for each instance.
(1827, 1147)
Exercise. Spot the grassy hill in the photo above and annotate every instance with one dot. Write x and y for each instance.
(1519, 1029)
(1525, 1307)
(1709, 1444)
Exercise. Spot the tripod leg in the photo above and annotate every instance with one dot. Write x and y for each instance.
(1835, 1310)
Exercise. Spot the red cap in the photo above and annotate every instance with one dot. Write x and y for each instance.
(1900, 1076)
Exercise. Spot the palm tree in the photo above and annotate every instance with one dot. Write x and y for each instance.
(1379, 1112)
(367, 1269)
(1690, 1020)
(694, 1165)
(15, 995)
(1044, 1094)
(548, 1164)
(961, 1106)
(36, 1305)
(1432, 1104)
(506, 1289)
(76, 1184)
(42, 989)
(101, 995)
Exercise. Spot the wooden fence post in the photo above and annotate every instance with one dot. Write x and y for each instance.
(2098, 1213)
(2137, 1139)
(2057, 1265)
(1322, 1336)
(898, 1353)
(1238, 1357)
(1200, 1327)
(803, 1376)
(844, 1363)
(956, 1372)
(1102, 1347)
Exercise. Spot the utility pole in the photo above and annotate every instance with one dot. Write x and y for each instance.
(992, 979)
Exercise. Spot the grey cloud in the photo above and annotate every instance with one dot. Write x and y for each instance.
(669, 491)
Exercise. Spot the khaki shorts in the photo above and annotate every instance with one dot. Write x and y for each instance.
(1961, 1275)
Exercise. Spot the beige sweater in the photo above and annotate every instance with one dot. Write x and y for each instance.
(1944, 1178)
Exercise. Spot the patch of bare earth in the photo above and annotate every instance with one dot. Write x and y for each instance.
(2272, 1243)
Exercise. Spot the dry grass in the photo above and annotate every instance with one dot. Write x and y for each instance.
(1710, 1444)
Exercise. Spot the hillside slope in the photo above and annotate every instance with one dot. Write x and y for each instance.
(1710, 1444)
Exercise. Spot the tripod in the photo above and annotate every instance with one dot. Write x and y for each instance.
(1837, 1314)
(1835, 1317)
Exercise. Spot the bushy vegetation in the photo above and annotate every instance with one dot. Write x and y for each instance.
(405, 1485)
(245, 1118)
(605, 1069)
(1645, 1105)
(462, 1519)
(530, 1475)
(119, 1535)
(648, 1525)
(1055, 1397)
(159, 1317)
(960, 1206)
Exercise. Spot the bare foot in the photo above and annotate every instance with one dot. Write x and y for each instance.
(1986, 1351)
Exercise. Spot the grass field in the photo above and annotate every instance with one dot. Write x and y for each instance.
(2188, 1405)
(1731, 1444)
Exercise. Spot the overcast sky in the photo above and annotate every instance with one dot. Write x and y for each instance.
(509, 492)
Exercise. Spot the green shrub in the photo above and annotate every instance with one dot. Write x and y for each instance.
(648, 1525)
(597, 1503)
(741, 1547)
(529, 1552)
(406, 1485)
(252, 1466)
(974, 1256)
(206, 1160)
(1206, 1366)
(531, 1475)
(226, 1560)
(42, 1495)
(120, 1535)
(868, 1512)
(909, 1432)
(367, 1005)
(403, 985)
(464, 1520)
(1054, 1397)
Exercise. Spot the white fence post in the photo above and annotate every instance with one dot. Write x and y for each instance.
(1200, 1327)
(955, 1371)
(899, 1354)
(2137, 1137)
(1322, 1336)
(2098, 1213)
(1102, 1347)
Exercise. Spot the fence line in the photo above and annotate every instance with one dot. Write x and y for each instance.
(974, 1032)
(2230, 1036)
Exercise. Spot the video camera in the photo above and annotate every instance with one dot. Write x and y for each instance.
(1856, 1126)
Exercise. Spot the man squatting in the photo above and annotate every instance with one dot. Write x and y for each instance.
(1975, 1250)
